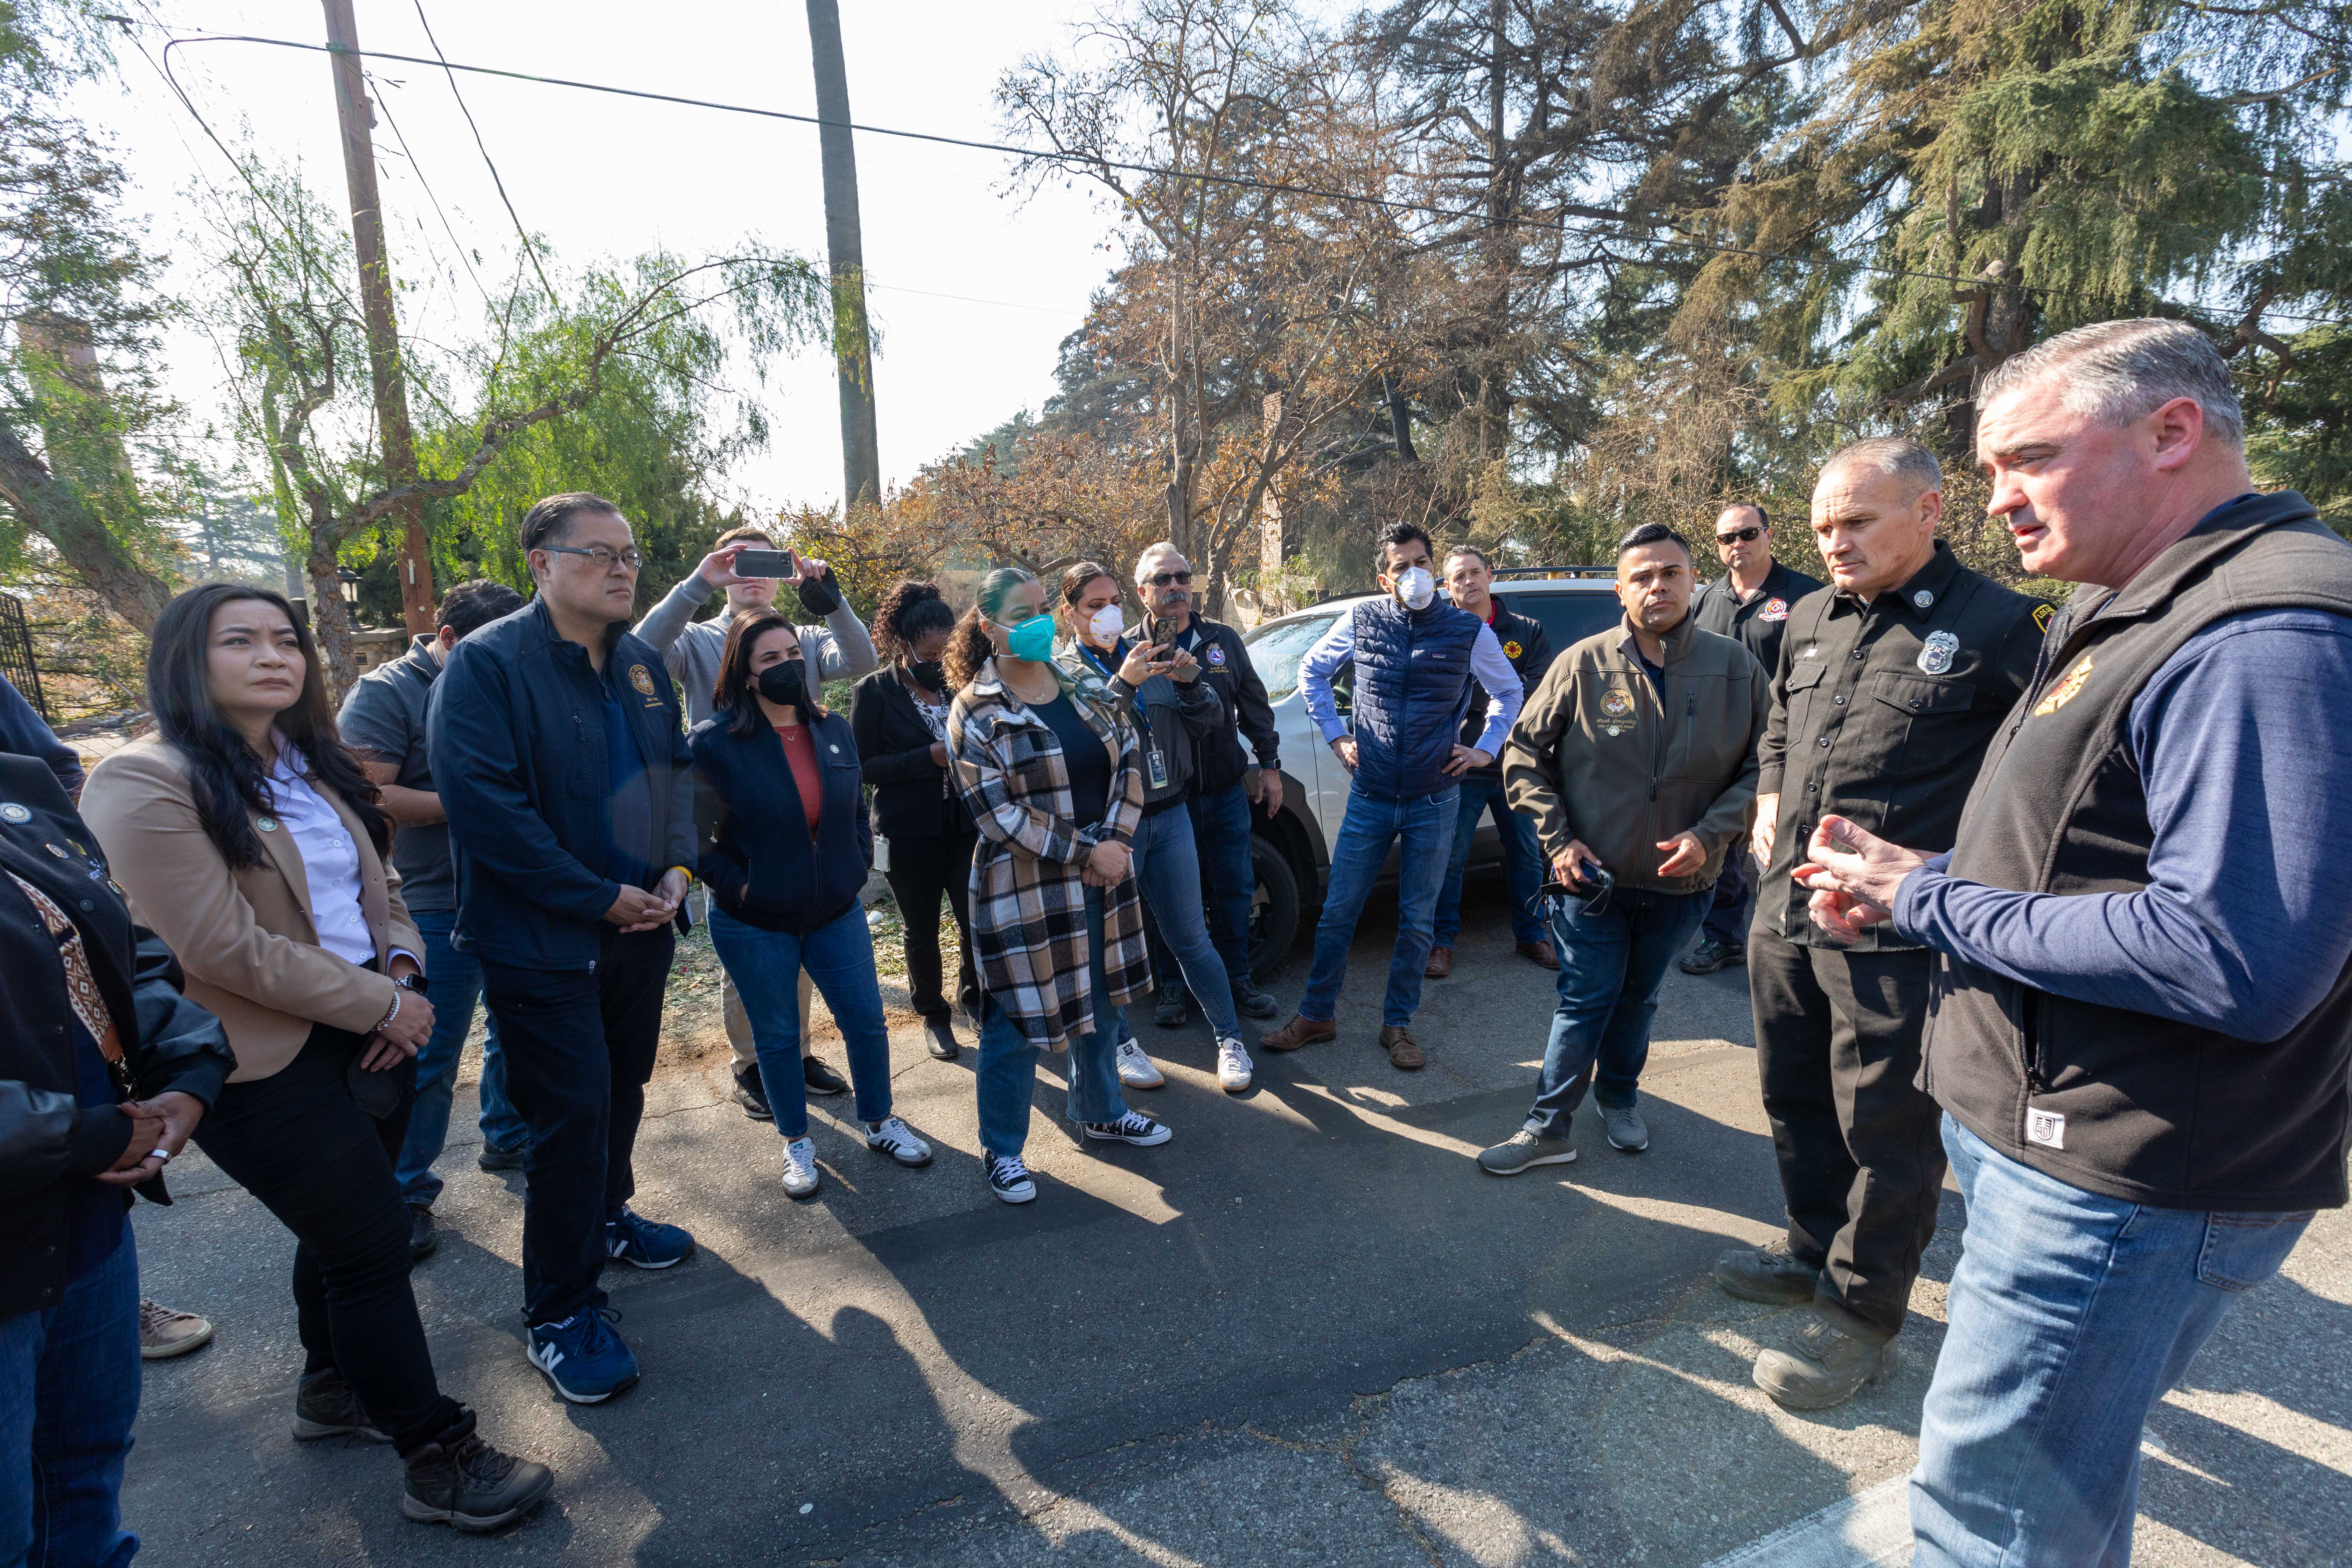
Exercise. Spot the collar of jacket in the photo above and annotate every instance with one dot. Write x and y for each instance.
(1677, 641)
(419, 658)
(2218, 533)
(544, 619)
(1920, 593)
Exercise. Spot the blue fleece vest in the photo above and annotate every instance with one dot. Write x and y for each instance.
(1412, 687)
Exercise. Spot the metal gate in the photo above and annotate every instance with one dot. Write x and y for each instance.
(16, 654)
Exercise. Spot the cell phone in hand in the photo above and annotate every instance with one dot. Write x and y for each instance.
(1163, 635)
(766, 563)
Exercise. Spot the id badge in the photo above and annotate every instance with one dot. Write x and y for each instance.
(1155, 768)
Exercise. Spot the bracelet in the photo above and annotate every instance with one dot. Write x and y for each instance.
(385, 1022)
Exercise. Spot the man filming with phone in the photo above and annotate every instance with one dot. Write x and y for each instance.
(1636, 759)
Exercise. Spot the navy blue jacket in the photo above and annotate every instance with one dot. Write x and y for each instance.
(24, 731)
(764, 867)
(1413, 691)
(515, 736)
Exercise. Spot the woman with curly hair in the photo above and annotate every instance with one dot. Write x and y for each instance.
(924, 836)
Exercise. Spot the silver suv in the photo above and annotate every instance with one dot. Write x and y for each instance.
(1292, 851)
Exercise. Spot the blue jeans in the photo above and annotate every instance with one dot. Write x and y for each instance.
(456, 979)
(1168, 871)
(1007, 1074)
(68, 1394)
(1610, 966)
(1221, 835)
(1735, 895)
(1372, 824)
(2072, 1314)
(1522, 863)
(839, 957)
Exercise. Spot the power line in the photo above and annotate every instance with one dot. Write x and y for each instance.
(521, 233)
(418, 169)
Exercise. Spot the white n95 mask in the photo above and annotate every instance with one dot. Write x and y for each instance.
(1416, 588)
(1108, 623)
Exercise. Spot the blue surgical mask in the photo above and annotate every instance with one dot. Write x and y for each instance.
(1032, 639)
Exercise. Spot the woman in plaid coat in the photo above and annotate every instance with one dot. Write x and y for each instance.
(1050, 776)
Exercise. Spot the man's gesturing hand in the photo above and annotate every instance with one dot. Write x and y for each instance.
(1685, 855)
(1767, 828)
(1854, 876)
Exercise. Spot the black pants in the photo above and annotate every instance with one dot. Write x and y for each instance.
(299, 1143)
(1861, 1159)
(921, 871)
(579, 1047)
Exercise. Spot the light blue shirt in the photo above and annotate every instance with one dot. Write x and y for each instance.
(1487, 667)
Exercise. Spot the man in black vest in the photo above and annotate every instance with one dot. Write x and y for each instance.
(2143, 1006)
(1890, 684)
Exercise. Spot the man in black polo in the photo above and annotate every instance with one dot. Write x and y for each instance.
(1890, 684)
(1751, 601)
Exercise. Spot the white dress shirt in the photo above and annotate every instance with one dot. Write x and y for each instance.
(331, 860)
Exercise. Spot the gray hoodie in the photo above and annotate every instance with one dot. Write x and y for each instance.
(839, 650)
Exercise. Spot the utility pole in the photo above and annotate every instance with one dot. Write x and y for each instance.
(358, 116)
(853, 345)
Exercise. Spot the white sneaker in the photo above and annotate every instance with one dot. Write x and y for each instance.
(1135, 1068)
(800, 1168)
(896, 1139)
(1232, 1063)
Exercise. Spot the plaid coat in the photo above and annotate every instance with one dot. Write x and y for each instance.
(1028, 905)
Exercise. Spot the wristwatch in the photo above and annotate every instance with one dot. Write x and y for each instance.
(417, 982)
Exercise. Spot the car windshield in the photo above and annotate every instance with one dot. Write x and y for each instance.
(1276, 649)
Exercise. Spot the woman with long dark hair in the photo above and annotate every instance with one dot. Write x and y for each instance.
(250, 840)
(1049, 772)
(924, 836)
(786, 851)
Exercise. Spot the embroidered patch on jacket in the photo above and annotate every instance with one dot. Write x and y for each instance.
(2065, 690)
(1773, 610)
(1935, 657)
(2047, 1127)
(642, 679)
(1216, 656)
(1511, 649)
(2043, 615)
(1616, 702)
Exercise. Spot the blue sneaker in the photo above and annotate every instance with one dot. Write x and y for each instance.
(647, 1244)
(582, 1357)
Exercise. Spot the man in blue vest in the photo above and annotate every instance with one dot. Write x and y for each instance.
(1414, 659)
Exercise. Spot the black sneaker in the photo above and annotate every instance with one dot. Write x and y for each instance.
(1710, 955)
(1253, 1003)
(1133, 1128)
(1168, 1010)
(461, 1480)
(494, 1157)
(941, 1040)
(1769, 1273)
(1008, 1178)
(421, 1239)
(752, 1094)
(821, 1078)
(325, 1406)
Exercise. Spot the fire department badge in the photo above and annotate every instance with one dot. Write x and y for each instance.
(1773, 610)
(1936, 657)
(1511, 651)
(2065, 690)
(642, 679)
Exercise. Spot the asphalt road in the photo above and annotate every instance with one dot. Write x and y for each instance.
(1307, 1330)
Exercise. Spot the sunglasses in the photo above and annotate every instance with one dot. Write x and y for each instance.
(1183, 579)
(1739, 536)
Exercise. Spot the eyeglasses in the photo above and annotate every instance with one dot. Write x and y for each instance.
(1739, 536)
(1165, 578)
(605, 558)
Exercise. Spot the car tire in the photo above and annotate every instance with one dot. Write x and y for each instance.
(1275, 910)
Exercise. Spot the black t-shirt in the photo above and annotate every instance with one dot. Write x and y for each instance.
(1083, 757)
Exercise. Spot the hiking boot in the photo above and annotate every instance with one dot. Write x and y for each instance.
(1403, 1052)
(421, 1239)
(1523, 1151)
(1168, 1008)
(1252, 1002)
(821, 1078)
(752, 1094)
(164, 1333)
(1769, 1273)
(1136, 1069)
(325, 1406)
(495, 1157)
(1538, 953)
(941, 1040)
(1710, 955)
(1301, 1030)
(457, 1480)
(1821, 1365)
(1441, 963)
(1625, 1127)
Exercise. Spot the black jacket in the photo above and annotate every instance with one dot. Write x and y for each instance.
(1178, 716)
(912, 796)
(1529, 647)
(1762, 620)
(516, 734)
(1225, 669)
(49, 1143)
(764, 867)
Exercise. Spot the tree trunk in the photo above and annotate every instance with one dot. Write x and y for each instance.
(59, 514)
(853, 343)
(329, 616)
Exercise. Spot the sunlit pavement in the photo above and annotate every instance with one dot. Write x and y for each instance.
(1307, 1330)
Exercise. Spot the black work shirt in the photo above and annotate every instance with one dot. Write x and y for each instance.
(1760, 621)
(1881, 713)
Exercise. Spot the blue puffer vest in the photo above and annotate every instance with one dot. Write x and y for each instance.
(1412, 687)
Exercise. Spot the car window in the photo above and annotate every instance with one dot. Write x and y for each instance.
(1276, 649)
(1567, 618)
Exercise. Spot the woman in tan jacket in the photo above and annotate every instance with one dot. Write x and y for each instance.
(250, 841)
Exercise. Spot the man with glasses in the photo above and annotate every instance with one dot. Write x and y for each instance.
(838, 648)
(563, 768)
(1636, 758)
(1750, 601)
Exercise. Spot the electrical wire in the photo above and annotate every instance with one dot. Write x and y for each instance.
(521, 233)
(418, 170)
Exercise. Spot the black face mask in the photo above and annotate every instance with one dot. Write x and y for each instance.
(930, 674)
(785, 682)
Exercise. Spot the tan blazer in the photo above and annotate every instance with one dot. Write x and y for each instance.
(245, 938)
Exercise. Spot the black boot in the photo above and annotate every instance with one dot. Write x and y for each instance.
(1169, 1012)
(325, 1406)
(459, 1479)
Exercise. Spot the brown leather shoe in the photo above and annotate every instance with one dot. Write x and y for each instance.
(1299, 1031)
(1403, 1052)
(1540, 953)
(1441, 962)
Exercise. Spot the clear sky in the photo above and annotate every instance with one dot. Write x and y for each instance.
(973, 287)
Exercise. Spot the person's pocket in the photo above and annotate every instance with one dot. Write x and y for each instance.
(2242, 1250)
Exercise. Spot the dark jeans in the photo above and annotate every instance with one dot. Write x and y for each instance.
(921, 871)
(1610, 966)
(1727, 917)
(1523, 868)
(68, 1394)
(580, 1047)
(456, 979)
(299, 1143)
(1221, 840)
(1860, 1150)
